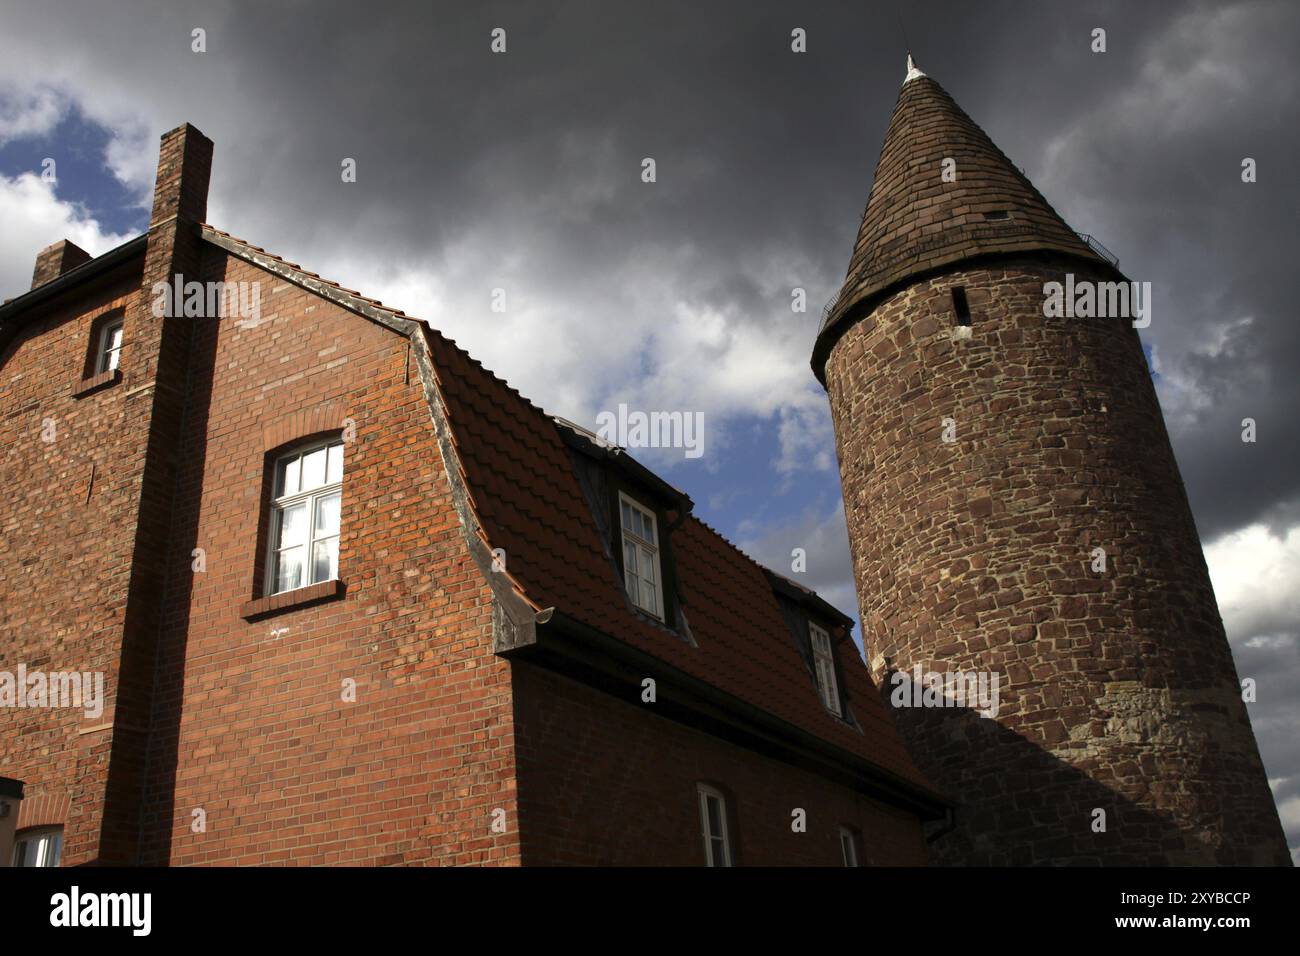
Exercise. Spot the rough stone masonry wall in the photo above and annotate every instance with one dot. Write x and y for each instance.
(1118, 688)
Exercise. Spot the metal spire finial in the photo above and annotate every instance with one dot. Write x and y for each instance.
(912, 70)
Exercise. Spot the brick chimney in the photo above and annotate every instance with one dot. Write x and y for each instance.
(184, 167)
(53, 261)
(155, 360)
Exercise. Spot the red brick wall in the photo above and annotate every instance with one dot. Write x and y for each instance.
(65, 550)
(249, 724)
(605, 782)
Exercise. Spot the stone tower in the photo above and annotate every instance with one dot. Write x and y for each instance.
(992, 459)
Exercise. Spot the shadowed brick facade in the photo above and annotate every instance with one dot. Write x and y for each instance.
(135, 541)
(1119, 691)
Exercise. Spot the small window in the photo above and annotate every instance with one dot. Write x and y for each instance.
(849, 846)
(824, 665)
(305, 509)
(997, 215)
(960, 306)
(39, 847)
(641, 572)
(713, 827)
(109, 349)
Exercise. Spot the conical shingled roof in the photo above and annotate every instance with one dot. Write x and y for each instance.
(916, 222)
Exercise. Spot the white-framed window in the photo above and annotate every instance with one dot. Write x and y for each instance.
(109, 348)
(305, 506)
(824, 665)
(849, 846)
(713, 826)
(41, 847)
(641, 572)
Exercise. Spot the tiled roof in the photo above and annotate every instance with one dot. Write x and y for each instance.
(526, 495)
(915, 222)
(530, 502)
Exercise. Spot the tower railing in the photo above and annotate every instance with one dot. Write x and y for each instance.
(1098, 248)
(829, 309)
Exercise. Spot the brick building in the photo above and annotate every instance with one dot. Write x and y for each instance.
(1014, 507)
(355, 600)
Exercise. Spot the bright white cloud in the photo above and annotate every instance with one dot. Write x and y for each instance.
(34, 217)
(1254, 575)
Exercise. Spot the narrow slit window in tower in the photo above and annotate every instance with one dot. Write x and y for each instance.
(960, 306)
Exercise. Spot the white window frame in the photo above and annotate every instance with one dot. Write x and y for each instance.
(308, 497)
(646, 593)
(849, 846)
(49, 846)
(107, 355)
(824, 667)
(705, 794)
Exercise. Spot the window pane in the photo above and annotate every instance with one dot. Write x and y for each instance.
(334, 470)
(627, 516)
(288, 572)
(649, 529)
(53, 848)
(115, 338)
(647, 565)
(820, 639)
(313, 469)
(112, 359)
(287, 481)
(649, 598)
(719, 857)
(293, 525)
(850, 851)
(325, 560)
(327, 515)
(23, 855)
(714, 806)
(629, 558)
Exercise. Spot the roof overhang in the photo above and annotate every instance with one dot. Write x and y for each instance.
(807, 598)
(598, 660)
(579, 438)
(13, 311)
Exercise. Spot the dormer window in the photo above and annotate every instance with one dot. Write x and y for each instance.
(824, 668)
(109, 349)
(641, 568)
